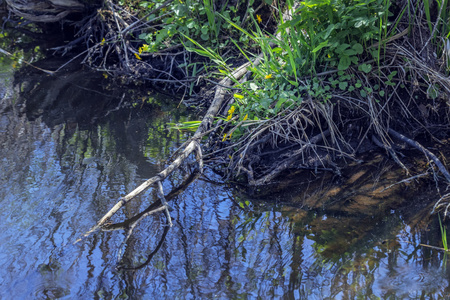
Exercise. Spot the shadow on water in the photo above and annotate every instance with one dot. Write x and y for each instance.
(71, 145)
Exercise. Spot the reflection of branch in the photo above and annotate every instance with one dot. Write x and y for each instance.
(150, 256)
(133, 225)
(155, 207)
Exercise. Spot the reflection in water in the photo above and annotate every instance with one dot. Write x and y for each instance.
(59, 175)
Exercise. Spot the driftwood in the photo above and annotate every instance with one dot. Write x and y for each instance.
(192, 146)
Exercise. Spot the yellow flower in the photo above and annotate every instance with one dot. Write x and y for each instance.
(230, 113)
(103, 42)
(245, 118)
(140, 50)
(238, 96)
(258, 18)
(105, 75)
(268, 76)
(224, 137)
(137, 56)
(145, 48)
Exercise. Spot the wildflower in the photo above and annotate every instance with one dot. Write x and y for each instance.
(227, 136)
(103, 42)
(137, 56)
(268, 76)
(230, 113)
(238, 96)
(105, 75)
(140, 50)
(258, 18)
(145, 48)
(245, 118)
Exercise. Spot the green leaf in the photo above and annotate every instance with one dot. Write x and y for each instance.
(365, 68)
(341, 48)
(190, 24)
(392, 74)
(280, 103)
(363, 93)
(343, 85)
(320, 46)
(329, 30)
(349, 52)
(204, 29)
(344, 63)
(433, 92)
(354, 59)
(358, 48)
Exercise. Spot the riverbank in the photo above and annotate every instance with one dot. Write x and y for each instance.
(323, 82)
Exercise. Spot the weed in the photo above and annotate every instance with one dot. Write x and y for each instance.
(443, 234)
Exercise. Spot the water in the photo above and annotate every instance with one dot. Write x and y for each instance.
(60, 171)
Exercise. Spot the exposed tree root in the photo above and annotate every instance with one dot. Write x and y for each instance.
(44, 11)
(427, 152)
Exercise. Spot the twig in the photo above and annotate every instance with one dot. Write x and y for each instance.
(428, 246)
(43, 70)
(405, 180)
(434, 28)
(164, 202)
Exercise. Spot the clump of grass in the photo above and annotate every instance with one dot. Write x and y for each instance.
(443, 234)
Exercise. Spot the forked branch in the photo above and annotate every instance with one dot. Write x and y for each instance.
(194, 145)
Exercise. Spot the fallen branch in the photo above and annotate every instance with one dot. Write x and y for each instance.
(194, 145)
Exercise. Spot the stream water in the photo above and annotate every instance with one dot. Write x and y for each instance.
(70, 147)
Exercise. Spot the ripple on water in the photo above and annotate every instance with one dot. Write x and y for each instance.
(410, 280)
